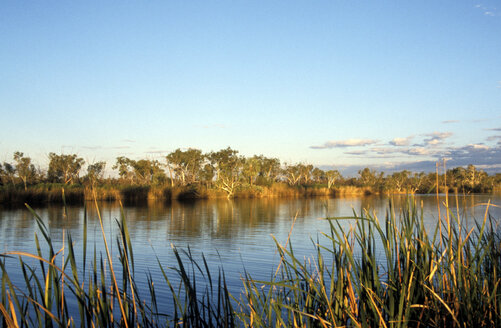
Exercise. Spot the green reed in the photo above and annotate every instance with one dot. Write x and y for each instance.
(386, 273)
(423, 280)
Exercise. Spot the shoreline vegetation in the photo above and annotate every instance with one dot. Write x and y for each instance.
(190, 174)
(388, 272)
(77, 194)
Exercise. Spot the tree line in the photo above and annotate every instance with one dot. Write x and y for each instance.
(228, 171)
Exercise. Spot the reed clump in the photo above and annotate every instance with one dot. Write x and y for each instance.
(352, 190)
(385, 274)
(42, 194)
(378, 273)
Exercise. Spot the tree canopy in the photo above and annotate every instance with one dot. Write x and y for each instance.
(228, 171)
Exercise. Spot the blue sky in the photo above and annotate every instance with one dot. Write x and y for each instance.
(384, 84)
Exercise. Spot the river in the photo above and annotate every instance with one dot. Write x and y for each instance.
(233, 234)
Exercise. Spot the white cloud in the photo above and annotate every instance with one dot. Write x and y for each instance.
(384, 150)
(401, 141)
(418, 151)
(479, 146)
(436, 138)
(433, 142)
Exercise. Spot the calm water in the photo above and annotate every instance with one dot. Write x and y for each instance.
(233, 234)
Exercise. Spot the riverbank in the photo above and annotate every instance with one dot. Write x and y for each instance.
(52, 193)
(76, 194)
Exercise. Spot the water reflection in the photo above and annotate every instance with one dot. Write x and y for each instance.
(227, 219)
(234, 234)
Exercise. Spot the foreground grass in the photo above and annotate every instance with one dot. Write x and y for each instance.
(388, 273)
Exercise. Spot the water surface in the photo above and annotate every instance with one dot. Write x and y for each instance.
(234, 234)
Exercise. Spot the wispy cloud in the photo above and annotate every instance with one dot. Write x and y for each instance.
(356, 152)
(468, 149)
(345, 143)
(128, 140)
(488, 10)
(493, 129)
(383, 156)
(401, 141)
(69, 146)
(120, 147)
(486, 167)
(436, 138)
(385, 150)
(494, 138)
(450, 121)
(480, 120)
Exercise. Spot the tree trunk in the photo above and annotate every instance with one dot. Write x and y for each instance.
(171, 177)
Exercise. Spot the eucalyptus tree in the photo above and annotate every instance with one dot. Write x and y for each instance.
(227, 165)
(429, 183)
(457, 177)
(332, 176)
(147, 171)
(143, 171)
(495, 181)
(125, 168)
(368, 177)
(306, 172)
(95, 172)
(186, 165)
(416, 181)
(318, 175)
(64, 168)
(292, 173)
(252, 168)
(467, 179)
(399, 180)
(8, 174)
(475, 179)
(25, 169)
(270, 168)
(471, 176)
(207, 174)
